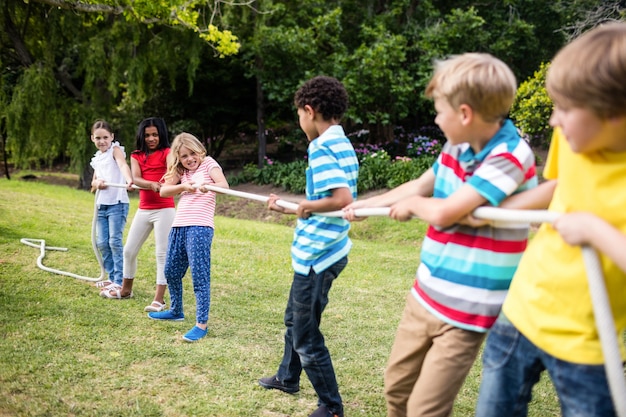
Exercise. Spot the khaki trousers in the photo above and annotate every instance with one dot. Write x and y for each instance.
(428, 363)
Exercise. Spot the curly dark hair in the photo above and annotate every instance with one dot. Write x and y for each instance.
(326, 95)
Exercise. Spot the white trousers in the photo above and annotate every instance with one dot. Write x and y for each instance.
(143, 223)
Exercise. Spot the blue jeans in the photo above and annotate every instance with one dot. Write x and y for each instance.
(110, 231)
(512, 366)
(304, 342)
(189, 247)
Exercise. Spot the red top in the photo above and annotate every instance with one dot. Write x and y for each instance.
(153, 167)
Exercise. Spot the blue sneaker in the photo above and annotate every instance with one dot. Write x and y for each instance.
(166, 315)
(194, 334)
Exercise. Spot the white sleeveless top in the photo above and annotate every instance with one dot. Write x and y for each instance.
(106, 169)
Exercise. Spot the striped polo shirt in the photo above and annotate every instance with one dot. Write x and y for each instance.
(321, 241)
(197, 208)
(465, 272)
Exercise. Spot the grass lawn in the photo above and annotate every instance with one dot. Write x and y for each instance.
(65, 351)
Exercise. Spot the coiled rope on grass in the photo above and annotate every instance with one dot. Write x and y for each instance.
(605, 323)
(41, 244)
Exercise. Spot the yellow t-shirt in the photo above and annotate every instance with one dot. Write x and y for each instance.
(549, 300)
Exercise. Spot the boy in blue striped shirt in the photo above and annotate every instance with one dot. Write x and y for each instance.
(320, 245)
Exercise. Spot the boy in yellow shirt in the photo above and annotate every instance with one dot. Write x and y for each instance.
(547, 320)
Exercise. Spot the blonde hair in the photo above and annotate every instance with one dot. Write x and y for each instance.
(478, 80)
(175, 167)
(590, 72)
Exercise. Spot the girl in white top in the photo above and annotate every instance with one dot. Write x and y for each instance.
(192, 231)
(110, 166)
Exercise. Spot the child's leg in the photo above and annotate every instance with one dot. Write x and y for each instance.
(117, 222)
(102, 240)
(511, 367)
(583, 390)
(444, 369)
(411, 344)
(138, 233)
(199, 241)
(176, 264)
(162, 222)
(309, 298)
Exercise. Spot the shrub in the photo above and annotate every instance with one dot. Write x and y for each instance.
(405, 169)
(374, 171)
(378, 169)
(423, 146)
(291, 176)
(532, 108)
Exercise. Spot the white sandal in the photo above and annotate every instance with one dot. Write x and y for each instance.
(114, 292)
(155, 307)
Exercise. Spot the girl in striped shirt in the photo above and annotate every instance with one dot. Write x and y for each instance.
(191, 235)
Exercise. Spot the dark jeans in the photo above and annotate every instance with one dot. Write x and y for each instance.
(304, 342)
(512, 366)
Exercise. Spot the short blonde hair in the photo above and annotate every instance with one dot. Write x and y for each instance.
(478, 80)
(189, 141)
(590, 72)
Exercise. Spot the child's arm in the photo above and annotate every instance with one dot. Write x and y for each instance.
(439, 212)
(271, 204)
(339, 198)
(587, 229)
(138, 180)
(171, 187)
(218, 178)
(123, 165)
(534, 199)
(96, 183)
(422, 186)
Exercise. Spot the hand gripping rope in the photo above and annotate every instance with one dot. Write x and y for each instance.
(601, 307)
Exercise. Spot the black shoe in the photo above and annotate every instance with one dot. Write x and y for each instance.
(272, 382)
(323, 411)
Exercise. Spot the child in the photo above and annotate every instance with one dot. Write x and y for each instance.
(148, 165)
(547, 321)
(321, 244)
(192, 231)
(464, 272)
(109, 165)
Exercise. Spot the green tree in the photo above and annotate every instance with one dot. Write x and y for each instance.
(532, 108)
(379, 83)
(64, 66)
(65, 63)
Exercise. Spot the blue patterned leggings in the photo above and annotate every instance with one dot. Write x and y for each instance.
(190, 247)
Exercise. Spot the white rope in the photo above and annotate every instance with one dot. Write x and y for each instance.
(605, 324)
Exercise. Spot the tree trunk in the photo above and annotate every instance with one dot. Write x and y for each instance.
(84, 182)
(260, 120)
(5, 158)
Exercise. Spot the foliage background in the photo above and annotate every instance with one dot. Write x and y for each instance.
(226, 71)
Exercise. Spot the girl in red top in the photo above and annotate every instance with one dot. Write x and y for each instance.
(148, 165)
